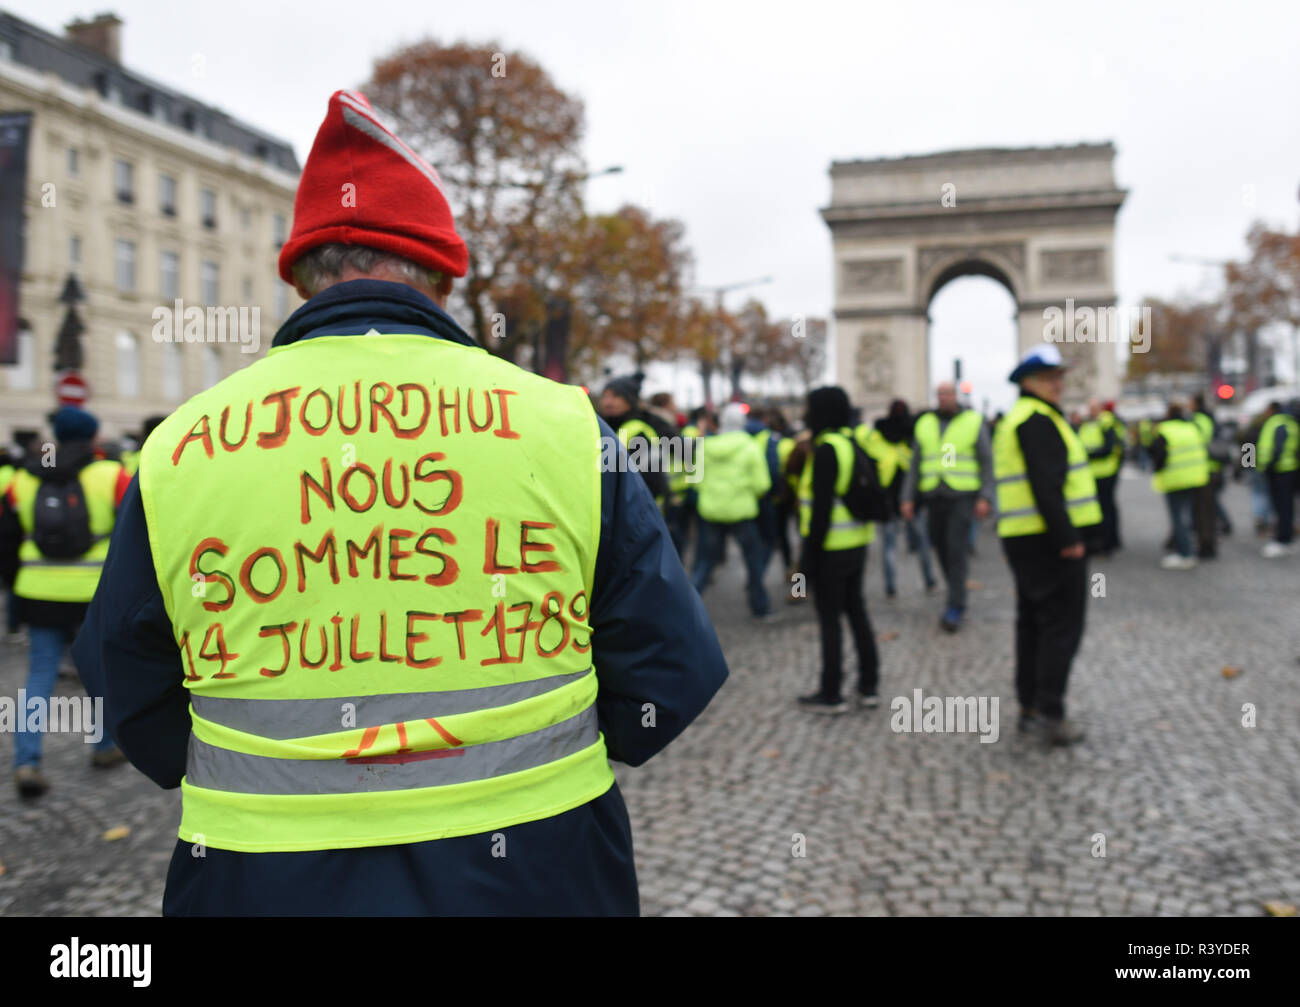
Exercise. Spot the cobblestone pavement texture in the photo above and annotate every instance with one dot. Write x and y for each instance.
(1197, 811)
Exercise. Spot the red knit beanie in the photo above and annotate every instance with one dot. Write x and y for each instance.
(364, 186)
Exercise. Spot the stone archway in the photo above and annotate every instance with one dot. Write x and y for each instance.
(1039, 220)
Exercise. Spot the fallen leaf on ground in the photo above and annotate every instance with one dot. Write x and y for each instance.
(1279, 909)
(772, 753)
(974, 585)
(117, 832)
(2, 870)
(888, 634)
(1230, 672)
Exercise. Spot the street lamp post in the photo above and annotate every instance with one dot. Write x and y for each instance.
(706, 366)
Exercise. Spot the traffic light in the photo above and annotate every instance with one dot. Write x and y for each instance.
(1225, 392)
(966, 387)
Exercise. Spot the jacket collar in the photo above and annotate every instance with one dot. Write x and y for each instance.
(357, 306)
(1052, 405)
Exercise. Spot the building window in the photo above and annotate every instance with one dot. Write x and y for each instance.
(74, 251)
(278, 224)
(167, 195)
(208, 208)
(173, 372)
(170, 270)
(74, 161)
(6, 50)
(248, 290)
(124, 260)
(128, 365)
(245, 218)
(209, 282)
(22, 375)
(211, 366)
(124, 181)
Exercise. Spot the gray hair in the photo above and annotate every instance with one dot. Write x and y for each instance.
(323, 266)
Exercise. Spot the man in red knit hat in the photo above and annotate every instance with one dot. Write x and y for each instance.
(389, 615)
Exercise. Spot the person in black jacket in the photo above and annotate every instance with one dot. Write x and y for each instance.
(835, 575)
(1049, 567)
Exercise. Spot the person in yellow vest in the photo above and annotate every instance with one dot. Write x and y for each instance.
(734, 479)
(8, 466)
(834, 555)
(951, 478)
(1211, 518)
(1146, 431)
(1181, 466)
(1046, 499)
(55, 522)
(1277, 456)
(383, 604)
(892, 434)
(620, 406)
(1102, 437)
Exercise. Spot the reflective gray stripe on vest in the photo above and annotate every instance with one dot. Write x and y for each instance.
(280, 719)
(216, 768)
(848, 525)
(1023, 476)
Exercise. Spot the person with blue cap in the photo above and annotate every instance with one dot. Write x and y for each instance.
(1046, 496)
(55, 521)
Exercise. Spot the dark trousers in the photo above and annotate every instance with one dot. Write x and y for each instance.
(1182, 506)
(708, 553)
(1207, 521)
(1108, 534)
(1281, 487)
(949, 520)
(837, 588)
(1051, 601)
(784, 514)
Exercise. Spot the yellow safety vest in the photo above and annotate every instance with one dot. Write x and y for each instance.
(1290, 459)
(377, 556)
(1092, 435)
(1205, 425)
(131, 461)
(1186, 461)
(954, 459)
(1018, 512)
(845, 531)
(884, 453)
(73, 580)
(640, 428)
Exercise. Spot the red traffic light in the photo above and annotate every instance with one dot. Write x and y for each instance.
(1225, 391)
(966, 387)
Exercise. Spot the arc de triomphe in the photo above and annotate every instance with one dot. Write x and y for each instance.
(1039, 220)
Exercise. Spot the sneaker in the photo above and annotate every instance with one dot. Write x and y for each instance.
(1060, 733)
(891, 594)
(1175, 562)
(1027, 721)
(867, 702)
(1275, 550)
(817, 703)
(30, 781)
(951, 620)
(107, 758)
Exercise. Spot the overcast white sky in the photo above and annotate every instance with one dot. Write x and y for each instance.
(727, 115)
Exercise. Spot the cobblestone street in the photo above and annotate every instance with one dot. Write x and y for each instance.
(1197, 813)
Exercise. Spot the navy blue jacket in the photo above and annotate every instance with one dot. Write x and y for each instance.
(652, 642)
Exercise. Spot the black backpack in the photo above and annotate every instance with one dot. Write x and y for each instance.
(61, 522)
(865, 498)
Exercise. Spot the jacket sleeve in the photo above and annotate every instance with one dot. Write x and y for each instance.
(127, 654)
(656, 655)
(11, 536)
(762, 475)
(1046, 465)
(1159, 452)
(825, 473)
(912, 477)
(984, 454)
